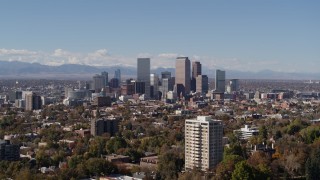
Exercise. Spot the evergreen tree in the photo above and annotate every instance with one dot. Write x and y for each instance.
(313, 166)
(263, 133)
(243, 172)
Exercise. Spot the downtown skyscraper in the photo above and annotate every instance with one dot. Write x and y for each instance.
(202, 84)
(105, 74)
(99, 82)
(154, 86)
(143, 74)
(33, 101)
(196, 70)
(117, 74)
(182, 80)
(220, 81)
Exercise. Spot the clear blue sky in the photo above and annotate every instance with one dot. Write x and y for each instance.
(283, 35)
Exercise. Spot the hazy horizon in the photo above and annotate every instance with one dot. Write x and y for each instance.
(16, 70)
(236, 35)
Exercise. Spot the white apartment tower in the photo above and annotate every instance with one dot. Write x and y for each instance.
(203, 143)
(143, 74)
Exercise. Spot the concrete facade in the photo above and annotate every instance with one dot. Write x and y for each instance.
(203, 143)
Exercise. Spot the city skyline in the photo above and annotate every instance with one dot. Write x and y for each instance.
(245, 36)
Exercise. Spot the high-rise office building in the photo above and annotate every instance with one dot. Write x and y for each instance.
(86, 85)
(114, 83)
(164, 88)
(33, 102)
(106, 77)
(165, 75)
(202, 84)
(99, 82)
(234, 85)
(203, 143)
(128, 89)
(196, 71)
(17, 94)
(79, 85)
(154, 86)
(37, 102)
(167, 80)
(66, 91)
(139, 87)
(182, 79)
(117, 75)
(143, 74)
(220, 81)
(102, 101)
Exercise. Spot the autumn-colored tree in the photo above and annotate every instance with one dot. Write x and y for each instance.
(309, 134)
(116, 143)
(73, 161)
(195, 174)
(43, 159)
(169, 165)
(134, 154)
(259, 158)
(295, 126)
(97, 146)
(100, 167)
(225, 168)
(24, 174)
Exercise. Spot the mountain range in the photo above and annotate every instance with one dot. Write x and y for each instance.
(16, 69)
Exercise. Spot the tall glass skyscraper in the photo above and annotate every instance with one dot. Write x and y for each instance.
(143, 74)
(220, 82)
(196, 71)
(154, 86)
(202, 85)
(105, 74)
(117, 75)
(99, 82)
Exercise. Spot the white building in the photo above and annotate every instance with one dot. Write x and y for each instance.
(171, 95)
(247, 132)
(203, 143)
(164, 88)
(233, 86)
(125, 98)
